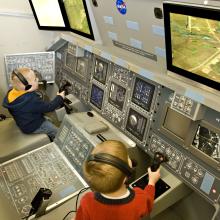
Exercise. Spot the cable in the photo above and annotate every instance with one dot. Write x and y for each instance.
(77, 198)
(25, 217)
(217, 211)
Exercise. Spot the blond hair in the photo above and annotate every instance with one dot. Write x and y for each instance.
(103, 177)
(28, 75)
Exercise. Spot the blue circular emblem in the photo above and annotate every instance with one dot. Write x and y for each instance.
(121, 6)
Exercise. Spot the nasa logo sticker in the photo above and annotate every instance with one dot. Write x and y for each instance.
(121, 6)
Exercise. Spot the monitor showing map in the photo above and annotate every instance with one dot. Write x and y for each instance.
(206, 144)
(77, 16)
(192, 35)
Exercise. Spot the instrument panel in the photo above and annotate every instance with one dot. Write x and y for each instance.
(158, 119)
(42, 62)
(22, 177)
(96, 96)
(143, 93)
(75, 70)
(101, 69)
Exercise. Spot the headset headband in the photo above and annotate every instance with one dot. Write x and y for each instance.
(22, 79)
(111, 160)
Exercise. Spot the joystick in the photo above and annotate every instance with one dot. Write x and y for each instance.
(66, 102)
(158, 159)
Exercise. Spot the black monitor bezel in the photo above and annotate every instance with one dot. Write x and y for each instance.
(74, 61)
(91, 101)
(85, 60)
(170, 135)
(192, 10)
(65, 16)
(101, 60)
(58, 28)
(153, 89)
(111, 101)
(142, 139)
(200, 154)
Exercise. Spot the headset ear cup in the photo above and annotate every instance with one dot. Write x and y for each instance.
(132, 177)
(27, 87)
(22, 79)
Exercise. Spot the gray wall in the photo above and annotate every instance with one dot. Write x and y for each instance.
(19, 34)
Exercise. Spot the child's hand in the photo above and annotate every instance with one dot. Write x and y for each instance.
(153, 176)
(61, 94)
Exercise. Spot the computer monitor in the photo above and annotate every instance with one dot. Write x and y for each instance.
(81, 67)
(96, 96)
(117, 95)
(136, 124)
(192, 42)
(100, 70)
(177, 126)
(76, 14)
(206, 144)
(143, 93)
(70, 61)
(48, 14)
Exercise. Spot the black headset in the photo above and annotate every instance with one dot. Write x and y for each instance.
(22, 79)
(112, 160)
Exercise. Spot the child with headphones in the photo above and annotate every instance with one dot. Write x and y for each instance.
(27, 107)
(106, 171)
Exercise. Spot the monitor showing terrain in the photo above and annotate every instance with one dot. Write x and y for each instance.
(192, 42)
(78, 17)
(208, 142)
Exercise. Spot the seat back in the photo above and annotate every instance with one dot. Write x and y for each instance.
(13, 142)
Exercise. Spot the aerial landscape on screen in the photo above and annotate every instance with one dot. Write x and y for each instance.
(196, 45)
(77, 15)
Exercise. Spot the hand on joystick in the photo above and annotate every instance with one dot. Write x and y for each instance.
(158, 159)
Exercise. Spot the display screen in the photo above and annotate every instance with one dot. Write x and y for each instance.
(207, 183)
(70, 61)
(48, 14)
(208, 142)
(192, 37)
(136, 124)
(143, 94)
(100, 71)
(117, 95)
(78, 17)
(96, 97)
(81, 66)
(176, 123)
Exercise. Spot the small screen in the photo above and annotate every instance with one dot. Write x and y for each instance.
(96, 97)
(78, 17)
(117, 96)
(136, 124)
(208, 142)
(47, 13)
(81, 66)
(70, 61)
(207, 183)
(143, 94)
(100, 71)
(176, 123)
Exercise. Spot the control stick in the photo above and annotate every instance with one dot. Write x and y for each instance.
(66, 102)
(158, 159)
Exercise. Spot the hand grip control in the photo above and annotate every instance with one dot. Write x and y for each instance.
(157, 160)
